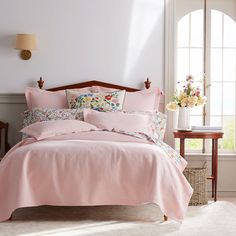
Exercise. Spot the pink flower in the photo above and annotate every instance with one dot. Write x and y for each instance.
(108, 97)
(115, 100)
(189, 79)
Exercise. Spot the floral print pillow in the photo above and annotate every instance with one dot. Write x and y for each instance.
(45, 114)
(157, 123)
(104, 101)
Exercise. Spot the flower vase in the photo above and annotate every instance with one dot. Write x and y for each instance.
(184, 118)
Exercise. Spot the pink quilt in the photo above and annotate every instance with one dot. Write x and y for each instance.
(92, 168)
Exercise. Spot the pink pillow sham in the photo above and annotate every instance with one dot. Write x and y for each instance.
(39, 98)
(118, 121)
(144, 100)
(46, 129)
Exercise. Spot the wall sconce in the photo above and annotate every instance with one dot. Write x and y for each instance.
(25, 43)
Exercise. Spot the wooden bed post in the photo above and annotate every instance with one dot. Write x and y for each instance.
(165, 218)
(147, 83)
(40, 83)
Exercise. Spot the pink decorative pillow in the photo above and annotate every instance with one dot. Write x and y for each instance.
(118, 121)
(46, 129)
(157, 123)
(39, 98)
(144, 100)
(98, 89)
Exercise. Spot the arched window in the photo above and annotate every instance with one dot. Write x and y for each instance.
(206, 49)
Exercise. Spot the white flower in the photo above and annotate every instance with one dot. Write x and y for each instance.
(172, 106)
(192, 101)
(201, 100)
(183, 101)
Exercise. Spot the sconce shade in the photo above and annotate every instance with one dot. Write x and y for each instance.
(25, 42)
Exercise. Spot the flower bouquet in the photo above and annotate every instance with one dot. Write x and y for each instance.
(188, 97)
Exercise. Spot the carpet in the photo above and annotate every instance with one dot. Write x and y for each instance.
(216, 218)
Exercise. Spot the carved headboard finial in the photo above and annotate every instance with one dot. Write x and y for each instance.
(147, 83)
(40, 83)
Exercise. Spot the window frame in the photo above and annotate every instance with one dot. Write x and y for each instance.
(206, 79)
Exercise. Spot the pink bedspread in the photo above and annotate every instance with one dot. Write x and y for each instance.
(91, 168)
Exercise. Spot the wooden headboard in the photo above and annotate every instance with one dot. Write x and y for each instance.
(94, 83)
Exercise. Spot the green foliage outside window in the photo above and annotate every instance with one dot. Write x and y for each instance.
(229, 132)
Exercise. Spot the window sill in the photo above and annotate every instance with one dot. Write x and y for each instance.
(207, 156)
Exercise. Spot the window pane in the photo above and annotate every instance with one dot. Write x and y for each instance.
(229, 99)
(216, 98)
(177, 144)
(216, 64)
(183, 32)
(216, 121)
(197, 29)
(216, 28)
(197, 111)
(183, 64)
(229, 64)
(196, 63)
(229, 130)
(194, 144)
(196, 120)
(229, 32)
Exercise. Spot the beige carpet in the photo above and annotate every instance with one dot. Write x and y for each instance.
(213, 219)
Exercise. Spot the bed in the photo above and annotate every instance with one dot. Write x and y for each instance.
(89, 166)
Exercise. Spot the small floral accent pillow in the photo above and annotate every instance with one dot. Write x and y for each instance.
(157, 121)
(104, 101)
(158, 124)
(45, 114)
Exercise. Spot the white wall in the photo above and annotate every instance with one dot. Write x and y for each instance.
(118, 41)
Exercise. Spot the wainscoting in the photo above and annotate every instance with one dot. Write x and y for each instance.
(12, 105)
(11, 108)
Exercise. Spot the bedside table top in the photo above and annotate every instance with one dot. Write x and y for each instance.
(198, 134)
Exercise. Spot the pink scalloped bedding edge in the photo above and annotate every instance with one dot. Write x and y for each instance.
(92, 168)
